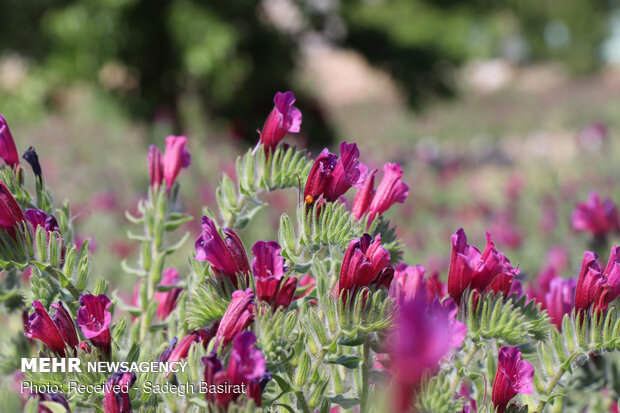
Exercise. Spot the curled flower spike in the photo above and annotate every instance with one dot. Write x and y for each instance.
(595, 216)
(331, 176)
(115, 401)
(56, 332)
(514, 375)
(283, 118)
(238, 316)
(268, 268)
(227, 258)
(8, 151)
(486, 271)
(94, 320)
(365, 263)
(597, 288)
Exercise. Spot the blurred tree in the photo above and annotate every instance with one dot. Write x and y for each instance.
(148, 54)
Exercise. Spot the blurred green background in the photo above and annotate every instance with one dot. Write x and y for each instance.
(475, 99)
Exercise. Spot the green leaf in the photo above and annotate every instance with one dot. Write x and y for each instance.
(350, 362)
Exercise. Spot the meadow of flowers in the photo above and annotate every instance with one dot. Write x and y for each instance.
(327, 315)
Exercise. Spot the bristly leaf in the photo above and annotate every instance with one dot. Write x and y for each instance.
(510, 320)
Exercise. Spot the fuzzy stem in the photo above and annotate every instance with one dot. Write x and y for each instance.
(459, 375)
(300, 395)
(365, 379)
(554, 381)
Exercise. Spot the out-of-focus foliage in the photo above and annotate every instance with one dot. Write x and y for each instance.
(229, 55)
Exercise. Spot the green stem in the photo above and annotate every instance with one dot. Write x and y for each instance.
(459, 374)
(300, 395)
(365, 379)
(554, 381)
(59, 276)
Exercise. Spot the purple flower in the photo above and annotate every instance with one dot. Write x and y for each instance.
(486, 271)
(595, 287)
(166, 167)
(165, 355)
(245, 366)
(598, 218)
(11, 214)
(94, 321)
(56, 332)
(118, 401)
(176, 157)
(156, 167)
(181, 351)
(331, 176)
(268, 269)
(8, 151)
(391, 190)
(410, 283)
(365, 263)
(55, 398)
(422, 337)
(238, 316)
(38, 218)
(227, 258)
(283, 118)
(363, 198)
(167, 300)
(514, 375)
(560, 299)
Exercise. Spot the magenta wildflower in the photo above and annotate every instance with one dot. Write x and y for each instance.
(238, 316)
(8, 151)
(227, 258)
(514, 375)
(284, 118)
(365, 263)
(176, 157)
(596, 216)
(94, 320)
(38, 218)
(486, 271)
(410, 283)
(166, 167)
(391, 190)
(11, 214)
(331, 176)
(167, 300)
(268, 268)
(56, 332)
(597, 287)
(180, 351)
(364, 197)
(118, 401)
(246, 366)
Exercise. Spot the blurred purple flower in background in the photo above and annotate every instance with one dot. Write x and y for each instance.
(560, 299)
(596, 217)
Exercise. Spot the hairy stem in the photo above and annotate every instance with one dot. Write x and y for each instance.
(300, 394)
(366, 364)
(459, 374)
(554, 381)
